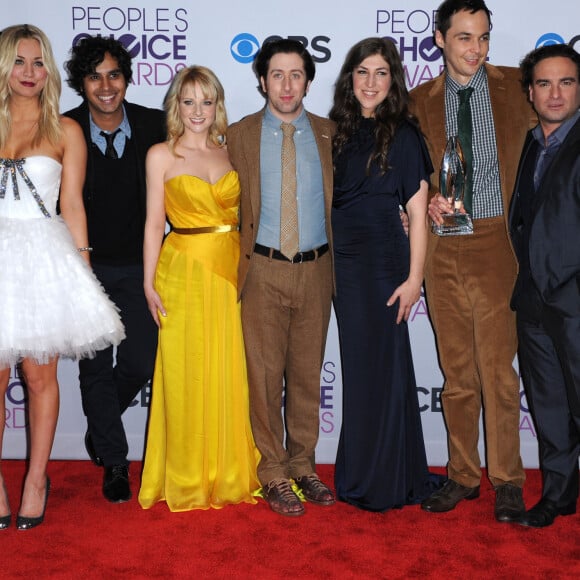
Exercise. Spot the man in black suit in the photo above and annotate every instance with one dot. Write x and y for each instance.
(545, 226)
(118, 136)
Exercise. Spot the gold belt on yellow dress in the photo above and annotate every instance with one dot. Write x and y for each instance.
(205, 230)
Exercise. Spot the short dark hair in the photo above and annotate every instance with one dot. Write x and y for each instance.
(450, 7)
(89, 53)
(285, 46)
(529, 62)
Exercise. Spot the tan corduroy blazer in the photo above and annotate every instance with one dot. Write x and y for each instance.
(512, 117)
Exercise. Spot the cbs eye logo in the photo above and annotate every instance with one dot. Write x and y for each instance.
(549, 39)
(245, 46)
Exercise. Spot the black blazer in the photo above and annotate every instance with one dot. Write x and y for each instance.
(554, 246)
(147, 128)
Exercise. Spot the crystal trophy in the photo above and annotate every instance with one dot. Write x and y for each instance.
(452, 178)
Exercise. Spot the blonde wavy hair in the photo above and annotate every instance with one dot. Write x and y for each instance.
(211, 88)
(49, 122)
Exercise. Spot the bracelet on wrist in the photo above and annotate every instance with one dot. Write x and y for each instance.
(85, 249)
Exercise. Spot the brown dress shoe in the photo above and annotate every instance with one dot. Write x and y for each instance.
(509, 503)
(314, 490)
(282, 499)
(446, 498)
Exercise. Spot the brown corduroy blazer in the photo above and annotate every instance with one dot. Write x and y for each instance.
(512, 117)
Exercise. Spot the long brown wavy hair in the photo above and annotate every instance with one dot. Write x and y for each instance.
(346, 110)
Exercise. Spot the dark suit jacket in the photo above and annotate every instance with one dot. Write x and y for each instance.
(147, 128)
(512, 117)
(554, 245)
(244, 148)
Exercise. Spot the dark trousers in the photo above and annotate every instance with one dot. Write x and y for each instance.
(107, 386)
(549, 356)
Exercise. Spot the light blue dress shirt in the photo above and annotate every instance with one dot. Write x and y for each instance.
(120, 138)
(310, 192)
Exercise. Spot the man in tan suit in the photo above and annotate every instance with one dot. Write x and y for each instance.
(469, 278)
(286, 293)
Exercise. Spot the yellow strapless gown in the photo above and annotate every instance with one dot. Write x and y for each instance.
(200, 451)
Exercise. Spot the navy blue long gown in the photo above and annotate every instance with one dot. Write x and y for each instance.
(381, 462)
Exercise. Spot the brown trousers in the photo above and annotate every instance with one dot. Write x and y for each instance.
(469, 282)
(285, 316)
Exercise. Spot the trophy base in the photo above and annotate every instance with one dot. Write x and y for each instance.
(454, 224)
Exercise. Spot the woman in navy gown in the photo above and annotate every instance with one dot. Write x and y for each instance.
(381, 162)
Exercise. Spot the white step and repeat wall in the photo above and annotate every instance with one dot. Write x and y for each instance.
(163, 36)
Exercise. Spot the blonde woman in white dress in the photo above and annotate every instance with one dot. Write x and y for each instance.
(51, 303)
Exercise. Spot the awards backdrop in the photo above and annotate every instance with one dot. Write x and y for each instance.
(164, 36)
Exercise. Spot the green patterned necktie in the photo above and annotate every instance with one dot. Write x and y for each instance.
(465, 134)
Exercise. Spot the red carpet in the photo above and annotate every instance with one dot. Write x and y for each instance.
(83, 536)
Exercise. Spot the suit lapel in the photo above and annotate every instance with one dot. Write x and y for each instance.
(502, 126)
(557, 167)
(252, 140)
(436, 123)
(324, 143)
(515, 205)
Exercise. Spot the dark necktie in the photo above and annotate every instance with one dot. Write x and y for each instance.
(110, 151)
(543, 162)
(465, 134)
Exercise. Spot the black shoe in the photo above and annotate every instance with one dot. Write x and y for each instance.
(98, 461)
(544, 513)
(5, 521)
(25, 523)
(116, 484)
(446, 498)
(509, 503)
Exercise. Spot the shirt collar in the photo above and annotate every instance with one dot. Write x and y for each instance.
(477, 81)
(125, 127)
(273, 123)
(556, 137)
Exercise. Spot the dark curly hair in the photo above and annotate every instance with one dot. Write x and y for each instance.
(285, 46)
(529, 62)
(346, 111)
(89, 53)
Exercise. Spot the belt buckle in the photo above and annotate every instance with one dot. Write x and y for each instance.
(295, 261)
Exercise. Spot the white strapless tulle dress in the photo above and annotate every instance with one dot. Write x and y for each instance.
(50, 301)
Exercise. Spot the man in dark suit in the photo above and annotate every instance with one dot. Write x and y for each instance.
(544, 226)
(286, 294)
(118, 136)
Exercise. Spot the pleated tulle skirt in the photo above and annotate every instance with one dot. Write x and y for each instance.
(51, 302)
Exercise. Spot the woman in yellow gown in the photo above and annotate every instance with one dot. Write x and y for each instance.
(200, 452)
